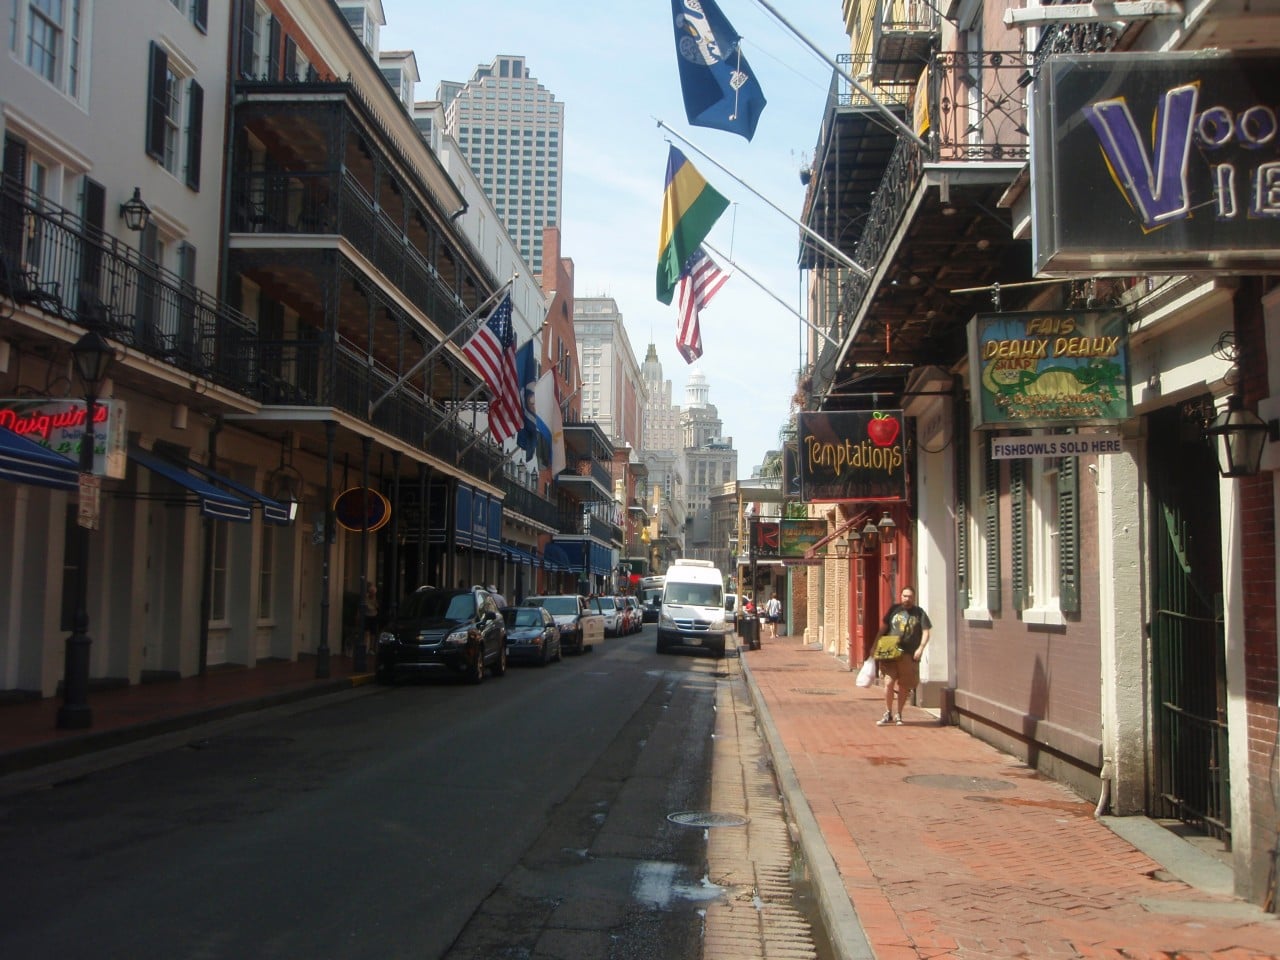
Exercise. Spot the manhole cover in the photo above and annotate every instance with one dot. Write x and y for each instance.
(951, 781)
(696, 818)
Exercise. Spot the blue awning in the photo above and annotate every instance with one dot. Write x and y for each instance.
(25, 461)
(214, 503)
(273, 511)
(555, 559)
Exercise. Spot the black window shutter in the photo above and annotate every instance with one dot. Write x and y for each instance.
(157, 103)
(195, 133)
(273, 50)
(290, 58)
(991, 528)
(1018, 531)
(95, 212)
(200, 15)
(962, 515)
(15, 161)
(1069, 535)
(15, 178)
(247, 16)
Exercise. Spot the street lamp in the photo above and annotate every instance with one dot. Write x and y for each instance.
(1240, 436)
(93, 356)
(870, 536)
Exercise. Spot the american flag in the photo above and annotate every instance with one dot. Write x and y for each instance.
(700, 280)
(493, 351)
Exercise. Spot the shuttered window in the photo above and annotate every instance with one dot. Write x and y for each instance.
(1069, 535)
(195, 133)
(157, 102)
(991, 527)
(962, 511)
(1018, 532)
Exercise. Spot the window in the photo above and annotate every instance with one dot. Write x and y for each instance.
(51, 40)
(174, 130)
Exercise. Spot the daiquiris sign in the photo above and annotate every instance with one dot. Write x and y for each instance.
(1154, 161)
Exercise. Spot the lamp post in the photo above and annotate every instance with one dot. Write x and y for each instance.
(92, 355)
(1240, 436)
(137, 215)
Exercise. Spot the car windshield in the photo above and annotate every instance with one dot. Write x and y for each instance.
(522, 617)
(730, 600)
(558, 606)
(606, 604)
(697, 594)
(438, 605)
(652, 596)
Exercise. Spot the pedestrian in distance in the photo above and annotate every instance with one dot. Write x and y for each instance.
(773, 612)
(369, 610)
(910, 624)
(498, 598)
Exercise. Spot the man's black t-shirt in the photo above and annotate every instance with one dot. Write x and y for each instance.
(908, 623)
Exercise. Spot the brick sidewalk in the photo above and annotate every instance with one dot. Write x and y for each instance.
(948, 848)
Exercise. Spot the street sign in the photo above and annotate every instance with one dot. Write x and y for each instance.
(90, 500)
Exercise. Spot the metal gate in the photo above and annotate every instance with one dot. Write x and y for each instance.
(1187, 638)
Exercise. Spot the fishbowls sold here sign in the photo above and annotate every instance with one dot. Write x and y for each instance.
(1049, 368)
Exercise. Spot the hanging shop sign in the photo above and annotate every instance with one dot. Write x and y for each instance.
(852, 455)
(764, 538)
(361, 509)
(1049, 368)
(58, 425)
(790, 471)
(796, 537)
(1145, 162)
(1054, 445)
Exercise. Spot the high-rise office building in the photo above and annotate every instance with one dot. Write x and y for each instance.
(613, 393)
(511, 129)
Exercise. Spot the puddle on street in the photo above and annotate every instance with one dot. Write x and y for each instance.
(806, 903)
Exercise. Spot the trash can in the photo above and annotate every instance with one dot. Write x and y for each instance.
(749, 632)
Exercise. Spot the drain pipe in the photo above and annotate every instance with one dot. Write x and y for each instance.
(1104, 799)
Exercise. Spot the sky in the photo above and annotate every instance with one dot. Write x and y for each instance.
(613, 66)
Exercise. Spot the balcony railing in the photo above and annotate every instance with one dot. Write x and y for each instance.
(525, 501)
(977, 106)
(592, 469)
(52, 259)
(302, 204)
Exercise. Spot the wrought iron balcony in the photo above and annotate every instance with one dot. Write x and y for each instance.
(904, 37)
(322, 204)
(522, 500)
(589, 469)
(53, 260)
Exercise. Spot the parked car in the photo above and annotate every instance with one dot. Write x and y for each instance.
(612, 616)
(581, 622)
(443, 631)
(693, 612)
(532, 635)
(625, 620)
(651, 602)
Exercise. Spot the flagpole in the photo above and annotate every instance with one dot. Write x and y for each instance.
(893, 117)
(827, 245)
(818, 330)
(444, 342)
(453, 412)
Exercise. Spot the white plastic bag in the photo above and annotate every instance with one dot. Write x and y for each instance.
(867, 675)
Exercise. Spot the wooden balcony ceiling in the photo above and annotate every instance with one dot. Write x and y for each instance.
(914, 318)
(901, 55)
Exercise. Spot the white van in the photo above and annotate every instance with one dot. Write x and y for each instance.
(692, 612)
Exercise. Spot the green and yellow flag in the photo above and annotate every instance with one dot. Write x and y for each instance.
(690, 208)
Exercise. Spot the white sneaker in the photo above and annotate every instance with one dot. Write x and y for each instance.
(898, 719)
(885, 720)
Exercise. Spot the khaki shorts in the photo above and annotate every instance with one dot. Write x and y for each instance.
(906, 670)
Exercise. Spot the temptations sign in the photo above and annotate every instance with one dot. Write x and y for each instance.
(1148, 162)
(852, 455)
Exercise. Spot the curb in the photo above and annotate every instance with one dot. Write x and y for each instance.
(844, 929)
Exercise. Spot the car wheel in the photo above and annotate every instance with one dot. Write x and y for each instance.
(476, 668)
(559, 651)
(500, 668)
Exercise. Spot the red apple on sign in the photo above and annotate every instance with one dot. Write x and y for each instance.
(883, 429)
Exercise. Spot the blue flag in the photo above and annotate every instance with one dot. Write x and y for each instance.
(527, 376)
(720, 91)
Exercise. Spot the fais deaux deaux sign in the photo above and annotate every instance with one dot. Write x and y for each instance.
(1148, 162)
(852, 455)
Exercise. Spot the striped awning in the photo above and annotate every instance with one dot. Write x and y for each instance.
(25, 461)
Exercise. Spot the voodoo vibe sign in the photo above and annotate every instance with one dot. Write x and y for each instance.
(1145, 162)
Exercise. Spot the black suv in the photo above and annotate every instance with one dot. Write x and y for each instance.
(444, 631)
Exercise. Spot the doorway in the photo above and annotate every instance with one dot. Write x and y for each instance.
(1188, 677)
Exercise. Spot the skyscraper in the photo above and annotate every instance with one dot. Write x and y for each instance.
(511, 129)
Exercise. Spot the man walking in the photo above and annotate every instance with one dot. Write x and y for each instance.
(912, 627)
(773, 611)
